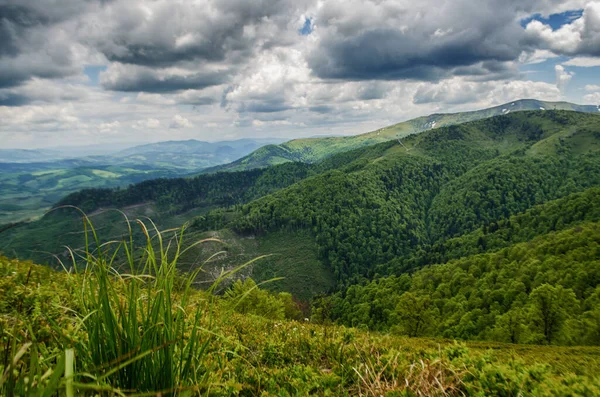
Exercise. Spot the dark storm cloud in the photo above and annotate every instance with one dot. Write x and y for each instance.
(264, 106)
(388, 54)
(371, 55)
(33, 42)
(14, 21)
(16, 71)
(135, 79)
(13, 100)
(365, 40)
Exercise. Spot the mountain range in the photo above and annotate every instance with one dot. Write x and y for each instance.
(427, 187)
(32, 180)
(472, 224)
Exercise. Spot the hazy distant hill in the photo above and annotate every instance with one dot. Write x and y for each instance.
(192, 154)
(60, 152)
(26, 155)
(32, 180)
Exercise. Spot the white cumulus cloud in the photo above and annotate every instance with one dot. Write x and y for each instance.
(179, 121)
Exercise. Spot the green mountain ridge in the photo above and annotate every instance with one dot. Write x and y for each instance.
(316, 149)
(486, 230)
(389, 201)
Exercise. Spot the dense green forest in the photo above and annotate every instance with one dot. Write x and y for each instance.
(542, 219)
(176, 195)
(541, 291)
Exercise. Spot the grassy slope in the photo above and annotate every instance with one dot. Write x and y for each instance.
(316, 149)
(291, 256)
(251, 355)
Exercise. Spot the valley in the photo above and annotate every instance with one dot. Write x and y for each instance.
(485, 232)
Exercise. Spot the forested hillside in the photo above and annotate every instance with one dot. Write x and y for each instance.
(395, 200)
(542, 291)
(168, 201)
(176, 195)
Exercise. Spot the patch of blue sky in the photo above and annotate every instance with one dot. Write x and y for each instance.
(543, 71)
(575, 89)
(93, 73)
(555, 21)
(307, 28)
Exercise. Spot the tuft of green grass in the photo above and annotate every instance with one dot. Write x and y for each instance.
(140, 334)
(136, 325)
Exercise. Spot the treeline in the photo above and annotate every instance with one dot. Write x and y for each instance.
(552, 216)
(543, 291)
(180, 194)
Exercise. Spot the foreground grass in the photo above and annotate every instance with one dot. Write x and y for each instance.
(143, 331)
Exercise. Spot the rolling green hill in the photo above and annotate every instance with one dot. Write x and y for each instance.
(28, 190)
(311, 150)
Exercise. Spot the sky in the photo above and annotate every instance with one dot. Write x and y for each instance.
(79, 72)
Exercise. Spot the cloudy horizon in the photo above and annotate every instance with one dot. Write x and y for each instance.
(78, 72)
